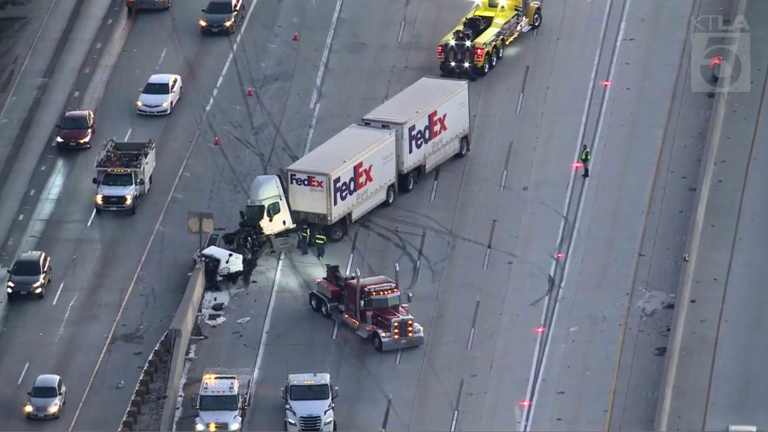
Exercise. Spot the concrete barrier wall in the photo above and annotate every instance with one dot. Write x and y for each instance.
(694, 235)
(179, 333)
(161, 354)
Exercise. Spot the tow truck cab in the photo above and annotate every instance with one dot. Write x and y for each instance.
(477, 43)
(309, 402)
(220, 405)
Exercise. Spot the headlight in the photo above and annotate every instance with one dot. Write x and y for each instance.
(58, 139)
(466, 64)
(86, 139)
(453, 63)
(291, 422)
(99, 199)
(128, 199)
(10, 290)
(38, 290)
(229, 23)
(138, 103)
(234, 426)
(328, 420)
(166, 103)
(11, 284)
(54, 408)
(202, 23)
(199, 426)
(27, 408)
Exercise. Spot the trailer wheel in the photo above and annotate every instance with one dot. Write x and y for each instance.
(407, 182)
(501, 49)
(336, 232)
(391, 195)
(494, 59)
(314, 302)
(325, 310)
(376, 341)
(536, 23)
(463, 148)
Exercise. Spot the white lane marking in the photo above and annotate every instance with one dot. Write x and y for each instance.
(55, 299)
(612, 69)
(312, 128)
(519, 102)
(128, 134)
(21, 217)
(402, 29)
(267, 321)
(335, 330)
(26, 59)
(93, 213)
(22, 373)
(434, 191)
(162, 56)
(454, 420)
(326, 51)
(471, 338)
(503, 180)
(399, 354)
(42, 168)
(69, 309)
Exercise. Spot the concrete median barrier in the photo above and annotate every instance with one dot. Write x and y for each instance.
(179, 333)
(694, 235)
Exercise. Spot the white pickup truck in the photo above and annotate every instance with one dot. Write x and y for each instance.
(123, 174)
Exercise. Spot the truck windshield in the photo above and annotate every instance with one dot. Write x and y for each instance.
(254, 212)
(310, 392)
(117, 180)
(219, 403)
(383, 302)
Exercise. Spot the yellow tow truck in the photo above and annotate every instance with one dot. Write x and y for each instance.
(476, 45)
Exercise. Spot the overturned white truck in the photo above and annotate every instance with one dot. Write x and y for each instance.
(358, 169)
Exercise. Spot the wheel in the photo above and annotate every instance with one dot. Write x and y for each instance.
(463, 147)
(314, 302)
(336, 232)
(98, 211)
(494, 59)
(501, 49)
(376, 341)
(42, 294)
(391, 195)
(133, 209)
(10, 297)
(408, 182)
(536, 19)
(483, 71)
(325, 310)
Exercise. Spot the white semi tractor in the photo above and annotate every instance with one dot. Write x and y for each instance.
(365, 165)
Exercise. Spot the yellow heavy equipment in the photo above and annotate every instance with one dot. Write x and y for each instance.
(476, 45)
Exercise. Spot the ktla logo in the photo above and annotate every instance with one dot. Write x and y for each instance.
(418, 138)
(360, 178)
(731, 44)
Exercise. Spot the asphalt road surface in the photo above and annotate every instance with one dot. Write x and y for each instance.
(720, 379)
(439, 234)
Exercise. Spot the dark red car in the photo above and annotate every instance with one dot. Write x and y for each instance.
(76, 129)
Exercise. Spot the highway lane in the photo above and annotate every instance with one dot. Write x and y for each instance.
(720, 378)
(96, 259)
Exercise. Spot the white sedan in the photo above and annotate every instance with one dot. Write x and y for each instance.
(161, 93)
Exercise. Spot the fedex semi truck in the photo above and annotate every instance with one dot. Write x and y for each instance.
(357, 170)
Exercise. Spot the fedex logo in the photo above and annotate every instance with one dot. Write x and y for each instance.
(434, 128)
(308, 181)
(360, 178)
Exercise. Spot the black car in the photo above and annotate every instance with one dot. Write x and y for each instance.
(29, 275)
(222, 16)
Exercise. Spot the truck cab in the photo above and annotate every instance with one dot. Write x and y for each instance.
(123, 174)
(268, 205)
(309, 402)
(220, 405)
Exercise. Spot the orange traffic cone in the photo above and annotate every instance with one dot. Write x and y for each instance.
(216, 141)
(250, 91)
(295, 36)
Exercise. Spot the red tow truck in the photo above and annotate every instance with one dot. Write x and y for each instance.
(374, 307)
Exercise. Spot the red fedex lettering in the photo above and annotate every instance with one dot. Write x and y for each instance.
(362, 176)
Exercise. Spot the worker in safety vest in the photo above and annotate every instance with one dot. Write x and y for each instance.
(584, 157)
(304, 240)
(320, 243)
(714, 66)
